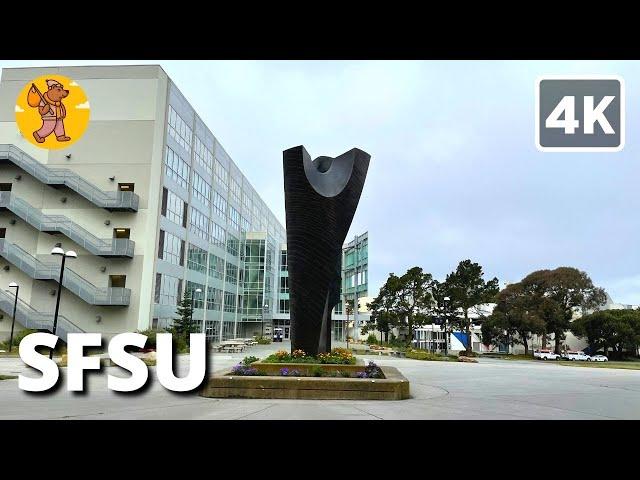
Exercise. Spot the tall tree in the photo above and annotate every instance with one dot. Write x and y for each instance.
(557, 293)
(413, 298)
(383, 315)
(515, 315)
(184, 324)
(468, 289)
(610, 329)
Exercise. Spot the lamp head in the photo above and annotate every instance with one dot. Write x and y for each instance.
(57, 251)
(198, 290)
(71, 254)
(13, 285)
(446, 299)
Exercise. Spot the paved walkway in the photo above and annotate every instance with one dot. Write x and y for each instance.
(491, 389)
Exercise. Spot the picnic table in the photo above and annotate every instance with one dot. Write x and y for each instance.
(231, 346)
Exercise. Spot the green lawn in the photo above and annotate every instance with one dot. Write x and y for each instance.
(507, 357)
(623, 365)
(7, 377)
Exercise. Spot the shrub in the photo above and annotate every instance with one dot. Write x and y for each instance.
(282, 355)
(263, 340)
(18, 336)
(249, 360)
(373, 371)
(151, 337)
(337, 356)
(244, 370)
(424, 355)
(464, 353)
(316, 371)
(372, 340)
(298, 354)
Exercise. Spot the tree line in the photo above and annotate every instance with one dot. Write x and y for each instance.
(542, 303)
(416, 298)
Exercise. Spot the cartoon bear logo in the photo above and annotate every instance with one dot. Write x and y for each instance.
(52, 112)
(51, 109)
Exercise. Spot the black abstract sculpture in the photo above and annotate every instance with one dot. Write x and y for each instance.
(321, 197)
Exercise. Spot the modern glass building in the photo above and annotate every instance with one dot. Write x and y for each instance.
(217, 238)
(163, 210)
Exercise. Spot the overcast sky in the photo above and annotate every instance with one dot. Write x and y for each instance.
(454, 171)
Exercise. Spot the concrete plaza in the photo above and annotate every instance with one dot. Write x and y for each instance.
(491, 389)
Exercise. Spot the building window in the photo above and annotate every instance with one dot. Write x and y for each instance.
(246, 201)
(220, 205)
(214, 298)
(232, 274)
(179, 130)
(216, 266)
(217, 235)
(171, 248)
(221, 175)
(234, 218)
(229, 302)
(203, 156)
(197, 298)
(235, 190)
(197, 259)
(174, 208)
(169, 290)
(177, 168)
(199, 223)
(201, 189)
(233, 245)
(284, 284)
(245, 226)
(283, 261)
(284, 306)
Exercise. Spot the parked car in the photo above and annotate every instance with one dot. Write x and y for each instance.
(576, 356)
(598, 358)
(545, 355)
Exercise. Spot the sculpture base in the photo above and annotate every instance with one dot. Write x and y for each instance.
(225, 385)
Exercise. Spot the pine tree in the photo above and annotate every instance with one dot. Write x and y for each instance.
(184, 324)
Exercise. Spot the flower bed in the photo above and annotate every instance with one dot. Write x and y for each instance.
(277, 380)
(337, 356)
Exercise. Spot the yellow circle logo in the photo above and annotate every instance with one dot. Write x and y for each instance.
(52, 111)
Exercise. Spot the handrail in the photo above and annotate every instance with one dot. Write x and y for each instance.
(71, 280)
(110, 200)
(29, 317)
(120, 247)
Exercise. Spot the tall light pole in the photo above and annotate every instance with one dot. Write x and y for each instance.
(265, 307)
(445, 302)
(58, 251)
(193, 299)
(15, 305)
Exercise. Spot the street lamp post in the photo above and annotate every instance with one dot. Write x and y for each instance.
(193, 299)
(265, 307)
(15, 305)
(445, 302)
(58, 251)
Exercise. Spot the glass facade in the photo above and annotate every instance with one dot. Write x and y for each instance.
(217, 234)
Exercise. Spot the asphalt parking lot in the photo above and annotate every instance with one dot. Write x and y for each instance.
(491, 389)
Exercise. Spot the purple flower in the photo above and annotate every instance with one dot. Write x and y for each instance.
(361, 375)
(284, 371)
